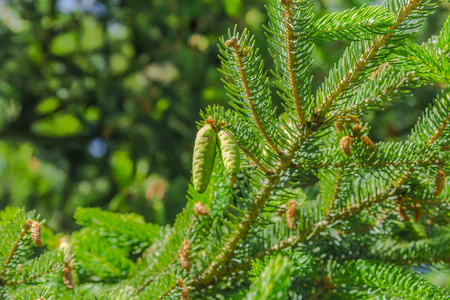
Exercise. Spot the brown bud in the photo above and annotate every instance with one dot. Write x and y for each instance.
(345, 144)
(232, 42)
(418, 213)
(35, 228)
(185, 293)
(200, 209)
(184, 256)
(291, 215)
(67, 275)
(368, 143)
(439, 183)
(402, 212)
(339, 126)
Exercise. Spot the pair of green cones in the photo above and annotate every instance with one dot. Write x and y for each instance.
(208, 137)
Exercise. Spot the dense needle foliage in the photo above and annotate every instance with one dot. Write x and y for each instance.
(317, 210)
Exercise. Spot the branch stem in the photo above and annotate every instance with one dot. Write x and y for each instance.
(290, 40)
(23, 232)
(249, 98)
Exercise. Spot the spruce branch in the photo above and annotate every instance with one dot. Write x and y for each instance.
(14, 247)
(345, 213)
(247, 221)
(433, 249)
(248, 142)
(353, 24)
(126, 230)
(250, 94)
(408, 154)
(439, 131)
(290, 40)
(377, 92)
(274, 281)
(384, 216)
(428, 62)
(288, 32)
(434, 121)
(366, 57)
(47, 263)
(385, 279)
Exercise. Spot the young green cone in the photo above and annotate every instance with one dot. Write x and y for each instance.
(229, 150)
(203, 160)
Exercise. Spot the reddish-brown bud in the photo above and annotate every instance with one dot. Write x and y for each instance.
(67, 275)
(439, 183)
(184, 256)
(345, 144)
(200, 209)
(291, 215)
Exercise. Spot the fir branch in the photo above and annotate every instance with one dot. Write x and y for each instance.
(430, 250)
(246, 222)
(290, 41)
(385, 279)
(47, 263)
(377, 222)
(274, 281)
(434, 121)
(376, 93)
(14, 247)
(290, 23)
(344, 213)
(366, 57)
(126, 230)
(352, 24)
(251, 92)
(383, 156)
(427, 61)
(38, 292)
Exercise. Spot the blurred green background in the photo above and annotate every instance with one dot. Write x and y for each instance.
(98, 99)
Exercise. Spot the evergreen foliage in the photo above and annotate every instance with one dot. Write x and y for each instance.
(317, 211)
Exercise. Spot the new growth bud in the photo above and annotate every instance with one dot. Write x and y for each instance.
(291, 215)
(184, 256)
(35, 229)
(345, 144)
(439, 183)
(200, 209)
